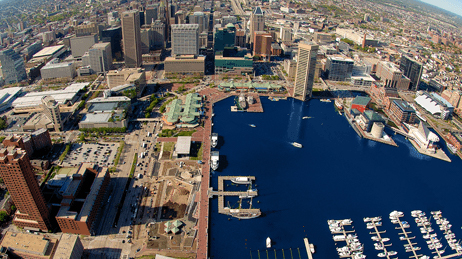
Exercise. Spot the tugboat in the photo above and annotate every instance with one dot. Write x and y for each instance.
(214, 158)
(214, 140)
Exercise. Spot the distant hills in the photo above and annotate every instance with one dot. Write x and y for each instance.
(425, 8)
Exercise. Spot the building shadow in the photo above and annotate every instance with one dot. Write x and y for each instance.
(103, 253)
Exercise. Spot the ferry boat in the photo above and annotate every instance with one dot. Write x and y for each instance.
(268, 242)
(338, 104)
(241, 180)
(214, 140)
(214, 160)
(295, 144)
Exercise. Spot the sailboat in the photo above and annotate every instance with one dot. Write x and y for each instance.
(247, 214)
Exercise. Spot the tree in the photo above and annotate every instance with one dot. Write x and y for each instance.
(2, 124)
(13, 208)
(3, 216)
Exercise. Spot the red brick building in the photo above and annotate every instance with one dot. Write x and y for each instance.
(82, 199)
(360, 103)
(16, 171)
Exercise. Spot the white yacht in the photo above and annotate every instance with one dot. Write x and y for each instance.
(383, 254)
(214, 160)
(268, 242)
(392, 252)
(214, 140)
(241, 180)
(295, 144)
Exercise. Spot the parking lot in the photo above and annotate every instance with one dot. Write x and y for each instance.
(102, 153)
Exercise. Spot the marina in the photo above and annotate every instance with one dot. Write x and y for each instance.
(327, 149)
(239, 212)
(353, 249)
(395, 218)
(380, 241)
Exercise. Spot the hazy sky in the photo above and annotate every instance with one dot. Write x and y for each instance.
(454, 6)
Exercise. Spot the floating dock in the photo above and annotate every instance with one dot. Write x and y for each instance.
(221, 193)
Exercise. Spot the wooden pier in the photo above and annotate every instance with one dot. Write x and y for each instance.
(408, 239)
(377, 232)
(221, 193)
(308, 250)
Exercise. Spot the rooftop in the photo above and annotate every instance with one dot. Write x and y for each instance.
(361, 100)
(403, 105)
(96, 117)
(48, 51)
(183, 145)
(27, 243)
(66, 246)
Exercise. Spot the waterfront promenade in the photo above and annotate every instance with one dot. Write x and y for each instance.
(204, 211)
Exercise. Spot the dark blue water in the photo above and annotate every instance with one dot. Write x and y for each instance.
(335, 175)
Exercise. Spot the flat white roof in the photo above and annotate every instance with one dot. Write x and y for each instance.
(110, 99)
(48, 51)
(96, 117)
(61, 96)
(183, 145)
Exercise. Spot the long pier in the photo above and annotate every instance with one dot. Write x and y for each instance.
(377, 232)
(438, 216)
(221, 193)
(308, 250)
(410, 245)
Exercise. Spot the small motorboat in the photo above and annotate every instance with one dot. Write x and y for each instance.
(268, 242)
(295, 144)
(252, 125)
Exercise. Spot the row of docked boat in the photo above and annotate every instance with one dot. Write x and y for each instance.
(431, 239)
(214, 155)
(353, 247)
(380, 242)
(445, 226)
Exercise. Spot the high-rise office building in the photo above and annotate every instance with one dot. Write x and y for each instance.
(151, 13)
(262, 44)
(100, 57)
(185, 39)
(339, 68)
(114, 36)
(131, 38)
(413, 70)
(80, 45)
(146, 39)
(224, 37)
(257, 22)
(16, 172)
(51, 110)
(201, 19)
(12, 67)
(306, 66)
(158, 34)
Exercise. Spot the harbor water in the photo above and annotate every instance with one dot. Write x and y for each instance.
(336, 175)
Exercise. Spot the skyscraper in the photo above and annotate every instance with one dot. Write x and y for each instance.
(12, 67)
(16, 171)
(413, 70)
(158, 34)
(224, 37)
(100, 57)
(306, 65)
(201, 19)
(151, 13)
(185, 39)
(131, 38)
(257, 22)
